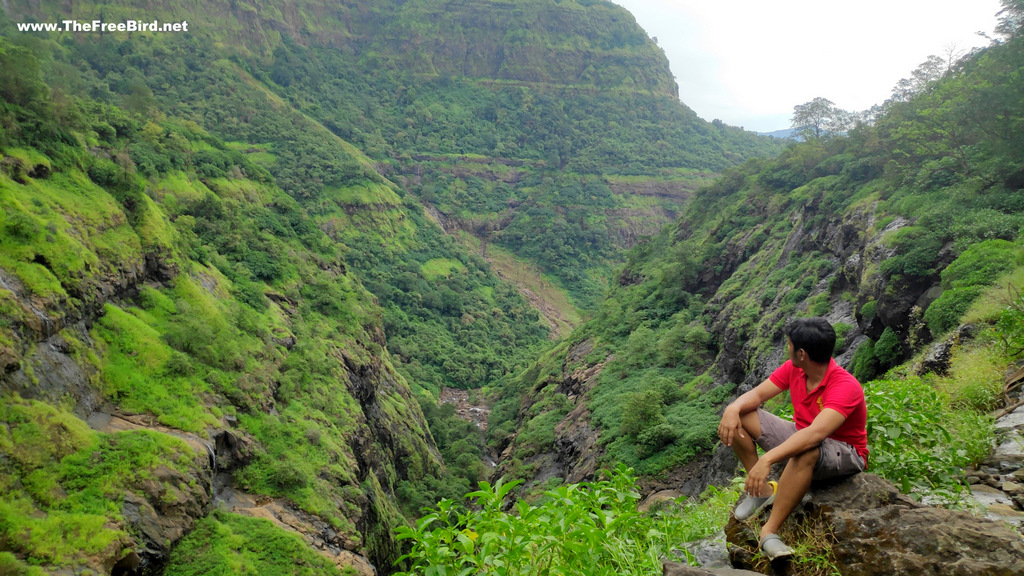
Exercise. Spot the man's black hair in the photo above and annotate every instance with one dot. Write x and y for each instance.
(814, 336)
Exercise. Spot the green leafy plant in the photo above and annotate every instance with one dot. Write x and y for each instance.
(591, 528)
(1010, 325)
(918, 440)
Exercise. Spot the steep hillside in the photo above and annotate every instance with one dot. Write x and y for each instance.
(174, 324)
(891, 232)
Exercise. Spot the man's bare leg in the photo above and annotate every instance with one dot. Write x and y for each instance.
(744, 447)
(794, 483)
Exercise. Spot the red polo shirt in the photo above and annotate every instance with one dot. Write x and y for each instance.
(838, 390)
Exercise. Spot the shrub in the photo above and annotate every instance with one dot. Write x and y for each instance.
(981, 263)
(842, 329)
(22, 227)
(642, 411)
(946, 311)
(978, 266)
(867, 311)
(887, 348)
(1010, 326)
(864, 365)
(287, 474)
(654, 438)
(909, 434)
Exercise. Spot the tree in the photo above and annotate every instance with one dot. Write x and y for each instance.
(818, 119)
(928, 72)
(1011, 18)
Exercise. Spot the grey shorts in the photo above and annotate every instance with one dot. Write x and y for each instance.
(835, 458)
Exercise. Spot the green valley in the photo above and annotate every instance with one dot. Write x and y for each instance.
(239, 265)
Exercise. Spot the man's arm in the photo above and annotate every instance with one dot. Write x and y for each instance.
(730, 425)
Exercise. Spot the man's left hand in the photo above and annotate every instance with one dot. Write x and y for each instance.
(757, 479)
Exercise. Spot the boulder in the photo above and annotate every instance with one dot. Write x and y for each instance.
(679, 569)
(877, 531)
(937, 359)
(233, 450)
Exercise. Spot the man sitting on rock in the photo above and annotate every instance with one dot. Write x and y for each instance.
(828, 438)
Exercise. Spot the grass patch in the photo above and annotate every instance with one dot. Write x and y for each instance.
(134, 359)
(441, 268)
(366, 194)
(988, 307)
(226, 543)
(63, 484)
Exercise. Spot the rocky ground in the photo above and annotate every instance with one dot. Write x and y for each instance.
(998, 483)
(475, 413)
(160, 526)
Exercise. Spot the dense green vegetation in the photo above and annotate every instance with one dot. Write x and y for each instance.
(385, 238)
(230, 226)
(567, 111)
(461, 446)
(892, 231)
(226, 150)
(922, 431)
(564, 142)
(587, 528)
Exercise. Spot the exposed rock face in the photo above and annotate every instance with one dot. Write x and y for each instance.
(715, 469)
(879, 532)
(232, 450)
(576, 450)
(164, 508)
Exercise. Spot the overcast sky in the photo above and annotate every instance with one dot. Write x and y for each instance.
(748, 62)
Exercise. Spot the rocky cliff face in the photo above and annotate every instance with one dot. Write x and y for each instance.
(520, 41)
(576, 453)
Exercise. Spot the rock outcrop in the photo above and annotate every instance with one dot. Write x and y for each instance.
(878, 531)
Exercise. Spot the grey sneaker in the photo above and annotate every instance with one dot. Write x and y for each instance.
(773, 547)
(752, 506)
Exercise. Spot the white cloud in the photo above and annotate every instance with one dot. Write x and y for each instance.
(748, 62)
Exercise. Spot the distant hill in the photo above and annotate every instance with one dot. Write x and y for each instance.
(785, 133)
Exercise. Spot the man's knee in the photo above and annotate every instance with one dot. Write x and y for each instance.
(752, 424)
(808, 459)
